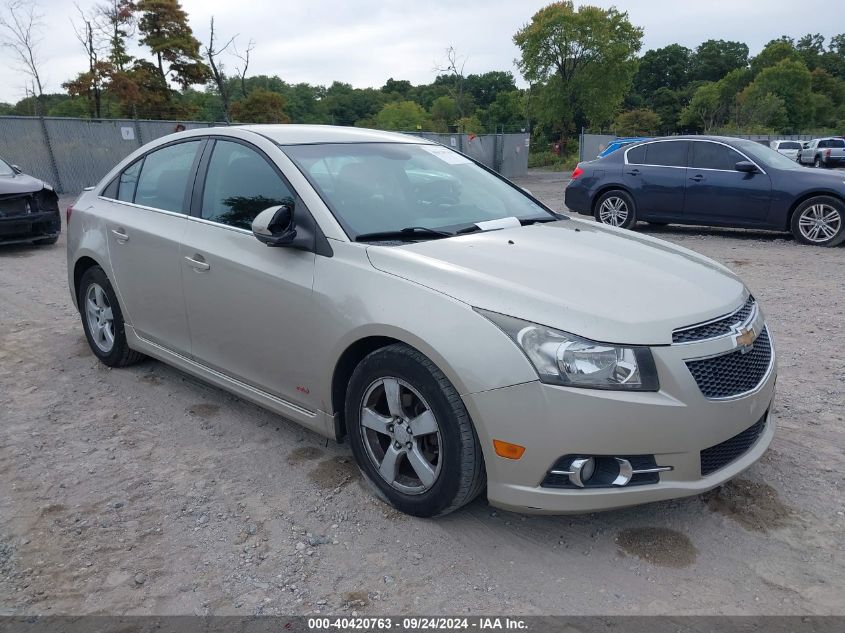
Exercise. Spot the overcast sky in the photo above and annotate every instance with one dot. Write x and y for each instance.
(364, 42)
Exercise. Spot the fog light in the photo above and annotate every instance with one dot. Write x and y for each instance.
(581, 470)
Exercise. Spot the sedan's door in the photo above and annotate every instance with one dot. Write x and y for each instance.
(249, 306)
(656, 174)
(145, 225)
(717, 192)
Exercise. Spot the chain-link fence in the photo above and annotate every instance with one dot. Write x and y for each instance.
(72, 154)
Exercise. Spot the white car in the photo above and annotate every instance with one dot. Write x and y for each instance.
(788, 148)
(461, 335)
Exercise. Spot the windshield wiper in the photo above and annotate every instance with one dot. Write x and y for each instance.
(408, 233)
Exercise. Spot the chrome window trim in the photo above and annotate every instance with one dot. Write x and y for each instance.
(228, 227)
(692, 140)
(145, 208)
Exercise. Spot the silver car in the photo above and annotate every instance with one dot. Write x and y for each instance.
(461, 335)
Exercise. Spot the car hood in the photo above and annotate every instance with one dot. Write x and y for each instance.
(19, 183)
(598, 282)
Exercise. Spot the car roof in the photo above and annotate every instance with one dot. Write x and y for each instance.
(294, 134)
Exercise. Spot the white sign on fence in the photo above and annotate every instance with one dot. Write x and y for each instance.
(128, 133)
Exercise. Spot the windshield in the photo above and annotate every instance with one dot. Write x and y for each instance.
(789, 145)
(383, 187)
(765, 156)
(5, 169)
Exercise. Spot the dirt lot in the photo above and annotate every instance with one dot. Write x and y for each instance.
(143, 491)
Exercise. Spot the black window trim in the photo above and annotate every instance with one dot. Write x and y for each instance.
(662, 140)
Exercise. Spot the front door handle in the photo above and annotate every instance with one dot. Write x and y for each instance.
(697, 178)
(120, 235)
(198, 263)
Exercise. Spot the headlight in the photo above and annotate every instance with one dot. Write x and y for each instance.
(566, 359)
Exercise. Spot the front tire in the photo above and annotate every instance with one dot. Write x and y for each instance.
(102, 320)
(819, 221)
(616, 208)
(411, 434)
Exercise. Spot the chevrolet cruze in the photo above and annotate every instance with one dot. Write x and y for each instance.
(462, 336)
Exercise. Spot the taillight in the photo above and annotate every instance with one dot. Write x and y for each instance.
(578, 171)
(68, 213)
(827, 154)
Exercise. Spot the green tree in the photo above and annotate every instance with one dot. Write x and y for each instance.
(164, 29)
(401, 115)
(667, 104)
(762, 112)
(704, 109)
(667, 67)
(792, 82)
(642, 122)
(261, 106)
(444, 111)
(774, 52)
(585, 60)
(484, 88)
(346, 105)
(507, 110)
(714, 59)
(811, 49)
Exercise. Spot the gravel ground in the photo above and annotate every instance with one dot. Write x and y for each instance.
(144, 491)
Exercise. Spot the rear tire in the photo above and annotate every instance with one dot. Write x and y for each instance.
(411, 434)
(817, 162)
(616, 208)
(102, 320)
(819, 221)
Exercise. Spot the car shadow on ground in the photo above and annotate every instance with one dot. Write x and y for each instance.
(711, 231)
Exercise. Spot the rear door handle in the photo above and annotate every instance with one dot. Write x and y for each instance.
(198, 263)
(697, 178)
(120, 235)
(634, 172)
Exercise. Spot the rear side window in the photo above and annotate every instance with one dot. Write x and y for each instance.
(240, 184)
(636, 155)
(127, 182)
(164, 177)
(833, 142)
(667, 154)
(714, 156)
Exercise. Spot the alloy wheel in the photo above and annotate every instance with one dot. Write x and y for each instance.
(613, 211)
(819, 223)
(98, 311)
(401, 435)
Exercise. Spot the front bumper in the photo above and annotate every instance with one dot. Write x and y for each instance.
(674, 425)
(28, 227)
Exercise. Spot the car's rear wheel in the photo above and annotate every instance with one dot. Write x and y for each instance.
(819, 221)
(616, 208)
(102, 320)
(411, 434)
(817, 162)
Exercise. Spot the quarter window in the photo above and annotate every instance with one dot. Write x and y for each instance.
(127, 181)
(636, 155)
(240, 184)
(714, 156)
(164, 177)
(667, 154)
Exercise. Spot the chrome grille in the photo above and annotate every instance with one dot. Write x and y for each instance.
(734, 373)
(719, 456)
(714, 329)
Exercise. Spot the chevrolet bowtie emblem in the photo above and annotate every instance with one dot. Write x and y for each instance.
(745, 337)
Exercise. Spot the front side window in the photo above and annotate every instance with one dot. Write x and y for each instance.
(240, 184)
(382, 187)
(714, 156)
(667, 153)
(164, 177)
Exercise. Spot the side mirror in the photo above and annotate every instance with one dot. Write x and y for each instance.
(746, 166)
(275, 226)
(16, 169)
